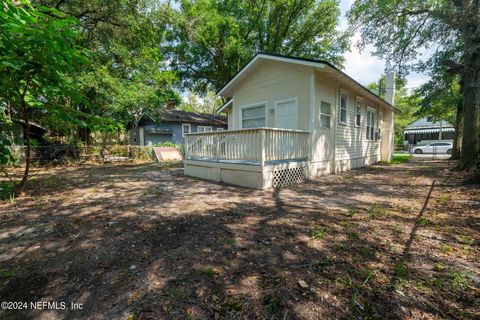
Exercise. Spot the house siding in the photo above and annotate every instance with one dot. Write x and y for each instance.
(270, 82)
(156, 138)
(343, 146)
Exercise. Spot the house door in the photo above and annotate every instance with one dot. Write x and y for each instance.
(286, 114)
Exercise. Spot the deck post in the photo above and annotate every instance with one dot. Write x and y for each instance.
(262, 146)
(217, 147)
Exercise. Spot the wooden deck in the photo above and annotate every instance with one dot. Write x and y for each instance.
(257, 158)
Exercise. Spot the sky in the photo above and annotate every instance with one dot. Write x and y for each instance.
(363, 66)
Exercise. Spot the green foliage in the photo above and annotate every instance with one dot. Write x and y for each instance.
(399, 29)
(400, 158)
(165, 144)
(319, 233)
(211, 40)
(6, 143)
(400, 269)
(209, 272)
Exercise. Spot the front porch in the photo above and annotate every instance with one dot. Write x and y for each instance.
(259, 158)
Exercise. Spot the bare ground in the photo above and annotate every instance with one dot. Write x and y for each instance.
(145, 242)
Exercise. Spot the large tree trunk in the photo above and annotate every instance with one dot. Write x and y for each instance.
(457, 140)
(26, 137)
(471, 94)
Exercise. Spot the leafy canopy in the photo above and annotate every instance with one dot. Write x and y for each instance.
(210, 40)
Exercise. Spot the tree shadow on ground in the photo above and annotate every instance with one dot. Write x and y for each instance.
(154, 244)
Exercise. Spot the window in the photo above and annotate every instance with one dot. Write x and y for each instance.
(134, 137)
(358, 114)
(186, 128)
(220, 129)
(343, 108)
(370, 125)
(253, 116)
(325, 114)
(204, 129)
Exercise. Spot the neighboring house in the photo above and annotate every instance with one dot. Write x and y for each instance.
(424, 131)
(292, 119)
(172, 127)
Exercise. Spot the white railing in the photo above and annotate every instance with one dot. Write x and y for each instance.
(257, 145)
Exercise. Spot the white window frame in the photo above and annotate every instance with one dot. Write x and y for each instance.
(371, 114)
(342, 93)
(325, 115)
(253, 105)
(189, 128)
(205, 128)
(277, 102)
(358, 112)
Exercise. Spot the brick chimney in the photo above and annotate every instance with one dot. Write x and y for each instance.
(390, 88)
(171, 104)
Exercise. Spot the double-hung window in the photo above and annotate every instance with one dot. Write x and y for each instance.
(358, 114)
(343, 109)
(204, 129)
(253, 116)
(370, 124)
(325, 114)
(186, 128)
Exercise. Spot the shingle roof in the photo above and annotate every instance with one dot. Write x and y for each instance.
(192, 117)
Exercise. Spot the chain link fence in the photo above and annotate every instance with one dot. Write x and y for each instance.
(69, 154)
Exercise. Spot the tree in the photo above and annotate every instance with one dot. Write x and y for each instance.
(210, 40)
(127, 75)
(38, 58)
(441, 97)
(399, 30)
(208, 103)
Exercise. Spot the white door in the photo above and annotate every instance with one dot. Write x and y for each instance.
(286, 114)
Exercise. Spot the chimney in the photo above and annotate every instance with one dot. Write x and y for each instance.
(171, 104)
(390, 88)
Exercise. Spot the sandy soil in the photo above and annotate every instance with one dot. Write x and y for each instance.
(145, 242)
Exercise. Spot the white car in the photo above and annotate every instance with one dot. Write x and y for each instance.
(435, 147)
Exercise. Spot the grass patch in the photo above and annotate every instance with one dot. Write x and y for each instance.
(376, 211)
(177, 294)
(458, 280)
(352, 234)
(400, 270)
(424, 222)
(339, 246)
(352, 211)
(319, 233)
(209, 272)
(8, 274)
(446, 249)
(230, 241)
(271, 304)
(400, 158)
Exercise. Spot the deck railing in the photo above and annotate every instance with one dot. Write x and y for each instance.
(257, 145)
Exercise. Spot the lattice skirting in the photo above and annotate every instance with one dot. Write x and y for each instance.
(288, 176)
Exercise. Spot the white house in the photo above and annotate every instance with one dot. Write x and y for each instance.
(292, 119)
(427, 130)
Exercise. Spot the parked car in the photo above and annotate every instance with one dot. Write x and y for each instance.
(435, 147)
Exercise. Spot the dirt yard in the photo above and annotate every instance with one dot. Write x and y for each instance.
(145, 242)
